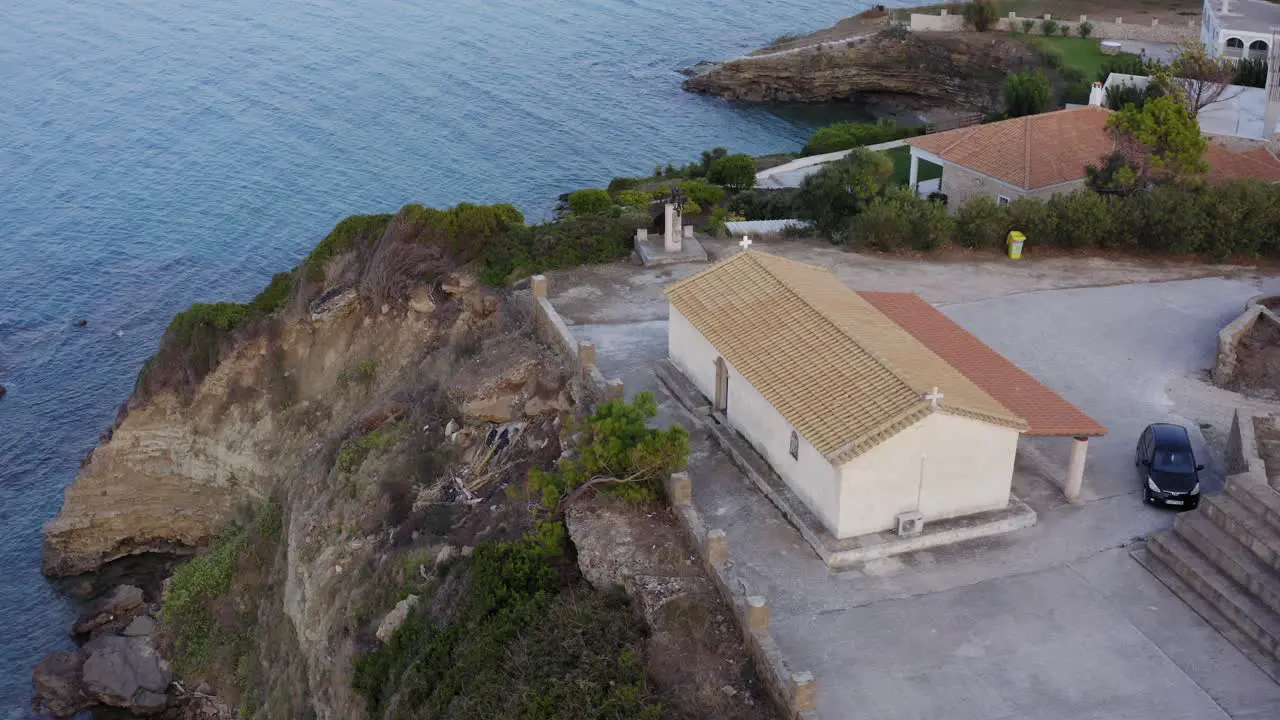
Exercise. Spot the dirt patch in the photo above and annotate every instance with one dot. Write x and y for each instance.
(1258, 369)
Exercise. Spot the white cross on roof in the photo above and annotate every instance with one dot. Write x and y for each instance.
(746, 243)
(933, 397)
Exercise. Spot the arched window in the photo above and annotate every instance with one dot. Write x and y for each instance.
(1235, 48)
(1257, 50)
(795, 445)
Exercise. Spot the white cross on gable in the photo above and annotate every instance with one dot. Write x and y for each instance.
(746, 243)
(933, 397)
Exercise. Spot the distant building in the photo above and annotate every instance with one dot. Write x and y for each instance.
(869, 406)
(1240, 28)
(1042, 155)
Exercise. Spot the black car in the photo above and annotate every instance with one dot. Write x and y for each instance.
(1170, 475)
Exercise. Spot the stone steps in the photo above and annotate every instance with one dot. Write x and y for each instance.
(1245, 612)
(1244, 526)
(1231, 557)
(1261, 500)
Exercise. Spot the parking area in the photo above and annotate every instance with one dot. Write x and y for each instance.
(1056, 621)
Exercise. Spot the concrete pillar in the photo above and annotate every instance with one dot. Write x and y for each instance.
(671, 231)
(1047, 16)
(586, 358)
(716, 547)
(1097, 96)
(915, 174)
(688, 232)
(680, 489)
(1075, 469)
(1155, 22)
(614, 390)
(944, 12)
(804, 692)
(642, 234)
(757, 614)
(1084, 18)
(539, 285)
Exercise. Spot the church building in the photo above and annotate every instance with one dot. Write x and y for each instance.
(870, 406)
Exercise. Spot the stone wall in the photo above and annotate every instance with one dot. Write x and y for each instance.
(551, 329)
(794, 692)
(1229, 337)
(1103, 29)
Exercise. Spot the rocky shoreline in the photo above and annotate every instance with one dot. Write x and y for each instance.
(961, 72)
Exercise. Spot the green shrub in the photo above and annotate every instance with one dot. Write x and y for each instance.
(716, 223)
(1032, 218)
(1049, 26)
(842, 189)
(765, 204)
(521, 646)
(1026, 93)
(192, 588)
(691, 208)
(622, 184)
(980, 15)
(1083, 219)
(344, 236)
(1064, 30)
(981, 223)
(356, 450)
(735, 172)
(617, 443)
(1251, 73)
(703, 193)
(635, 199)
(569, 242)
(1085, 29)
(590, 201)
(846, 136)
(272, 297)
(1028, 26)
(1124, 65)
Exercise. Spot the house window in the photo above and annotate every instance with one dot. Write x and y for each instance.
(1002, 200)
(795, 445)
(1257, 50)
(1235, 47)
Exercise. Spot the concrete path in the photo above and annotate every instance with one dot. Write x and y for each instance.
(1056, 621)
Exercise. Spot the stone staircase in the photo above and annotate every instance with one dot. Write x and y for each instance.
(1223, 560)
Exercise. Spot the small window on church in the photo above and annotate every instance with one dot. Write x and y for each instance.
(795, 445)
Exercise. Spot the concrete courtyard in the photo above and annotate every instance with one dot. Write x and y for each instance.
(1056, 621)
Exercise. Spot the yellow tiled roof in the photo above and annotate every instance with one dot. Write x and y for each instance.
(839, 370)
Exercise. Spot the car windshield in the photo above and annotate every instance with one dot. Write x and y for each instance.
(1173, 461)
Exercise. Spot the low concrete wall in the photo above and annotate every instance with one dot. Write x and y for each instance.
(794, 692)
(551, 329)
(1103, 29)
(1229, 337)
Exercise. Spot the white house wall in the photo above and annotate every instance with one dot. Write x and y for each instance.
(967, 468)
(809, 475)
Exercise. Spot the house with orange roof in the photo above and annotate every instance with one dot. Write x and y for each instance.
(875, 409)
(1042, 155)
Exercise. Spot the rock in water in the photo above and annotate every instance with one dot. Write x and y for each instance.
(395, 618)
(3, 390)
(126, 673)
(81, 322)
(57, 687)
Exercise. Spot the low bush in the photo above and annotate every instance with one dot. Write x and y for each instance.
(981, 15)
(842, 189)
(1251, 73)
(846, 136)
(702, 192)
(1064, 30)
(617, 445)
(764, 204)
(1028, 26)
(620, 184)
(735, 172)
(356, 450)
(344, 236)
(634, 199)
(980, 223)
(590, 201)
(568, 242)
(1085, 29)
(1049, 27)
(1026, 93)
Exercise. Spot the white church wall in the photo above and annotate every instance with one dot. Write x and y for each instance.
(809, 474)
(967, 468)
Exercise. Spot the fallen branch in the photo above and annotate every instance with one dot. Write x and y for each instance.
(594, 482)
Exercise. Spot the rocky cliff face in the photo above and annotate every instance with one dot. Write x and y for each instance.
(960, 70)
(377, 430)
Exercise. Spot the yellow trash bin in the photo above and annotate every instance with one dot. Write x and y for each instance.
(1016, 239)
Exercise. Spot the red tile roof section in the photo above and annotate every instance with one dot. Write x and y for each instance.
(1046, 413)
(1257, 164)
(1029, 152)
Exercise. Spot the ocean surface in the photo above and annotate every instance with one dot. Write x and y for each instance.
(154, 153)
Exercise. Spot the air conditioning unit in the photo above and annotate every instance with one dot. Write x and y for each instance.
(910, 523)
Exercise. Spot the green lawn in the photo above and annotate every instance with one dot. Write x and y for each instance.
(1084, 55)
(901, 157)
